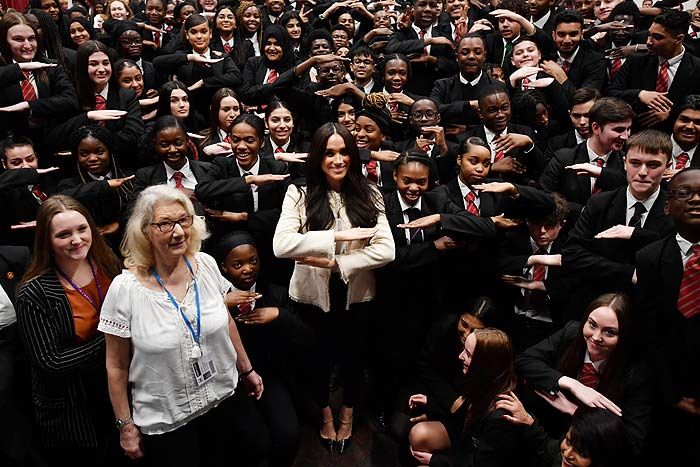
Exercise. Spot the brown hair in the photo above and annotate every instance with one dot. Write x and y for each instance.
(610, 110)
(490, 373)
(612, 373)
(651, 142)
(10, 19)
(102, 256)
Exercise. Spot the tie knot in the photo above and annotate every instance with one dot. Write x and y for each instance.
(599, 161)
(664, 65)
(413, 213)
(541, 251)
(695, 250)
(639, 207)
(245, 174)
(279, 149)
(26, 74)
(178, 176)
(99, 98)
(589, 369)
(471, 197)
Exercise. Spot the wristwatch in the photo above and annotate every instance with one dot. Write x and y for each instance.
(122, 423)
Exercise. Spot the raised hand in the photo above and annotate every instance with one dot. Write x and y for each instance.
(586, 168)
(496, 187)
(422, 223)
(117, 182)
(217, 149)
(31, 66)
(265, 179)
(356, 233)
(518, 415)
(619, 231)
(102, 115)
(291, 156)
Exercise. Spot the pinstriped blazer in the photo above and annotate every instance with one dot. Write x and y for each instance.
(69, 380)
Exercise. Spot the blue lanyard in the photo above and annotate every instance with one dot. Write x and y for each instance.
(195, 335)
(82, 292)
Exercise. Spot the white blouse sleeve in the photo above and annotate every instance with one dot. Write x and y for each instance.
(115, 316)
(212, 271)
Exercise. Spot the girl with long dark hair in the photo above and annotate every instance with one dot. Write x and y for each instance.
(335, 229)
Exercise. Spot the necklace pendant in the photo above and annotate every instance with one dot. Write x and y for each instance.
(196, 352)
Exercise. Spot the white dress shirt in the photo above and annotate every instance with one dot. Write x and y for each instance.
(406, 220)
(648, 203)
(254, 188)
(189, 181)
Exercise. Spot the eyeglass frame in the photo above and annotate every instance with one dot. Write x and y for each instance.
(127, 41)
(414, 115)
(693, 192)
(180, 222)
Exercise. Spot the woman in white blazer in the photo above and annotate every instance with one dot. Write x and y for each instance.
(335, 229)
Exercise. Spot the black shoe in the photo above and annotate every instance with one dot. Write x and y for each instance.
(380, 422)
(342, 444)
(327, 443)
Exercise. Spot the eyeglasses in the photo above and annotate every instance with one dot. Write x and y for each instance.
(138, 41)
(169, 226)
(418, 115)
(683, 194)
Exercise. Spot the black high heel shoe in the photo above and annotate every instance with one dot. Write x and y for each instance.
(328, 443)
(342, 444)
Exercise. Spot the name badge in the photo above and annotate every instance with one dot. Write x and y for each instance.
(204, 369)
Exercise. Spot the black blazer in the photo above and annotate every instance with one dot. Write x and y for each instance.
(534, 160)
(514, 251)
(565, 140)
(20, 205)
(152, 78)
(253, 90)
(102, 201)
(538, 368)
(56, 100)
(215, 76)
(577, 188)
(674, 340)
(127, 130)
(588, 70)
(454, 96)
(639, 73)
(69, 380)
(156, 175)
(423, 75)
(296, 144)
(240, 53)
(606, 265)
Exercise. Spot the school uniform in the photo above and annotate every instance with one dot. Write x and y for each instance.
(215, 75)
(240, 49)
(407, 41)
(294, 144)
(228, 191)
(21, 203)
(575, 188)
(127, 130)
(537, 367)
(673, 341)
(587, 69)
(606, 265)
(103, 202)
(453, 94)
(256, 88)
(55, 99)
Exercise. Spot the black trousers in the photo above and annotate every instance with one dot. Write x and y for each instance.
(338, 337)
(233, 433)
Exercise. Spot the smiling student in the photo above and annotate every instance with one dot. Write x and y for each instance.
(591, 363)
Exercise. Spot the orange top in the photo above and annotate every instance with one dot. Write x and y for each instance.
(85, 316)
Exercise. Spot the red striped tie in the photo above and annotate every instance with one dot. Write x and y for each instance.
(538, 270)
(615, 67)
(565, 66)
(28, 91)
(599, 162)
(421, 35)
(227, 48)
(372, 174)
(100, 102)
(681, 160)
(272, 76)
(156, 38)
(689, 295)
(178, 176)
(278, 150)
(662, 78)
(472, 208)
(500, 154)
(589, 376)
(41, 196)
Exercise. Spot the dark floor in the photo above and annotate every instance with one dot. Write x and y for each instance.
(369, 447)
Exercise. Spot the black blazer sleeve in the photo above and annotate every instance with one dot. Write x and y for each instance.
(537, 364)
(252, 92)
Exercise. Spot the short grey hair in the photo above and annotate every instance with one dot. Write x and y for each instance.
(136, 245)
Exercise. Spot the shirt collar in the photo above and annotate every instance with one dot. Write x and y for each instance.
(284, 146)
(542, 21)
(253, 170)
(185, 169)
(464, 188)
(105, 92)
(648, 203)
(206, 53)
(596, 365)
(674, 60)
(405, 205)
(490, 135)
(428, 30)
(677, 150)
(684, 245)
(592, 154)
(579, 139)
(536, 247)
(571, 58)
(473, 82)
(99, 177)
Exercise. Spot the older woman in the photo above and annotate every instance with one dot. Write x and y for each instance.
(171, 340)
(58, 308)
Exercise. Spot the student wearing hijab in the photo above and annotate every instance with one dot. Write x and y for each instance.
(260, 73)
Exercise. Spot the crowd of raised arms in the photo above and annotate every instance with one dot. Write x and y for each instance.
(472, 224)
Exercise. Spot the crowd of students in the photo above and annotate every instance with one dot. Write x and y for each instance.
(485, 213)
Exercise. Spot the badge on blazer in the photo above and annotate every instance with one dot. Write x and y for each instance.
(10, 275)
